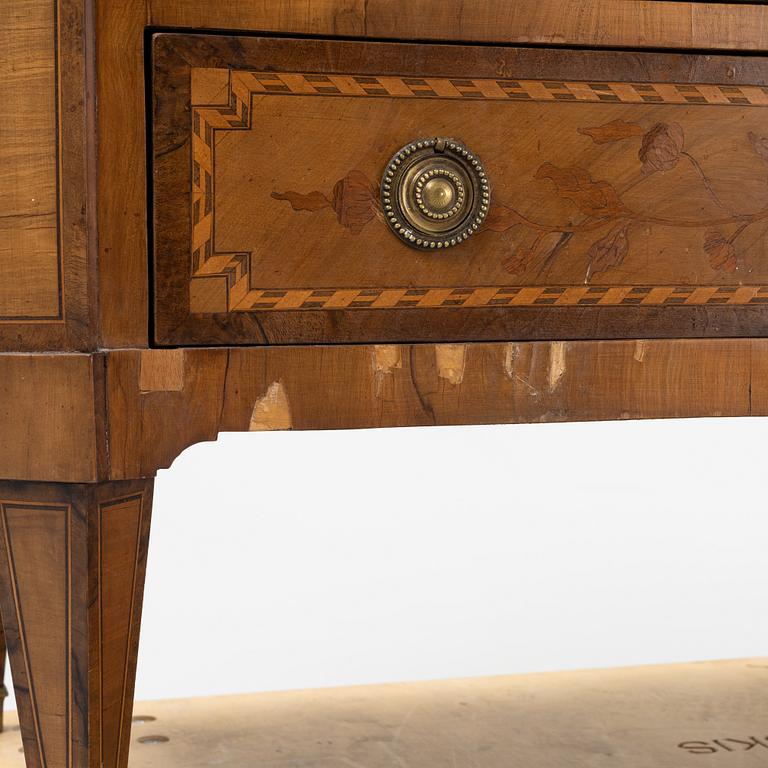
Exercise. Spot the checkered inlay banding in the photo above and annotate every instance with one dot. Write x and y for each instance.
(237, 115)
(581, 296)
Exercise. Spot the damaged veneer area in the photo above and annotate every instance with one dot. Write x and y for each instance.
(160, 402)
(125, 414)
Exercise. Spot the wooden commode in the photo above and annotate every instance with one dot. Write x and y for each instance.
(328, 214)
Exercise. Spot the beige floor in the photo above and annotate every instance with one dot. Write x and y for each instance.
(630, 718)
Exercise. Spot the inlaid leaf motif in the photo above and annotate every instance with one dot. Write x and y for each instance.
(597, 199)
(542, 248)
(721, 252)
(760, 145)
(355, 201)
(609, 251)
(616, 130)
(662, 147)
(314, 201)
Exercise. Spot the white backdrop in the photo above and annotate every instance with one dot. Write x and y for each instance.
(287, 560)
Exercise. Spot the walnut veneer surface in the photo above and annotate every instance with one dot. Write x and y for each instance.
(628, 192)
(193, 242)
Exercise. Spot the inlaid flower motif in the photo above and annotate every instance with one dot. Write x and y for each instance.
(760, 145)
(721, 252)
(523, 255)
(604, 216)
(355, 201)
(609, 251)
(662, 147)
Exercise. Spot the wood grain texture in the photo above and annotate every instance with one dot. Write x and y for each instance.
(348, 387)
(127, 413)
(121, 544)
(630, 23)
(161, 372)
(628, 201)
(51, 427)
(30, 284)
(73, 563)
(122, 201)
(73, 548)
(46, 297)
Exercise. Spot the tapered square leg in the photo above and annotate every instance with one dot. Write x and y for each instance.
(3, 689)
(72, 566)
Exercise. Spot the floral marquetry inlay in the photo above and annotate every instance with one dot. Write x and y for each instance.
(635, 183)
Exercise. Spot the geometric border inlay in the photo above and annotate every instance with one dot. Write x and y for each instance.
(235, 268)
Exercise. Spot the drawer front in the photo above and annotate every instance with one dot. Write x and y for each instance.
(628, 192)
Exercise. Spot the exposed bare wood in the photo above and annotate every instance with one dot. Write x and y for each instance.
(351, 387)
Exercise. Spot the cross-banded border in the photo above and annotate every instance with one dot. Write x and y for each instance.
(570, 296)
(237, 115)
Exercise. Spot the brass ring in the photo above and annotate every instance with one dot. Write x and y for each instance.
(435, 193)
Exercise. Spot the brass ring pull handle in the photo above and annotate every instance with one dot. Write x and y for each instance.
(435, 193)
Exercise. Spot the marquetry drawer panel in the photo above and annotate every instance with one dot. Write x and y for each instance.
(629, 192)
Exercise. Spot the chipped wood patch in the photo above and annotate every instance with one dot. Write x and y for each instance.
(161, 370)
(451, 360)
(557, 364)
(641, 347)
(511, 352)
(272, 412)
(386, 358)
